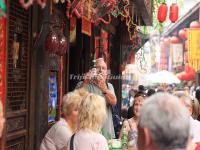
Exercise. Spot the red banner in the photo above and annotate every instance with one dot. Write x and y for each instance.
(86, 26)
(2, 58)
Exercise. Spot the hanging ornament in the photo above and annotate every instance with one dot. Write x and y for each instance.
(182, 34)
(162, 12)
(167, 41)
(62, 1)
(173, 16)
(42, 3)
(28, 3)
(195, 24)
(52, 41)
(174, 40)
(55, 1)
(63, 44)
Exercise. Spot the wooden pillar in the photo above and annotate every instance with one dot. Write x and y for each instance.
(115, 64)
(41, 79)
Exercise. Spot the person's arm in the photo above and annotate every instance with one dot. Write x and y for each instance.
(110, 97)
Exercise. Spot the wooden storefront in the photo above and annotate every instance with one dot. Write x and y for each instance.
(29, 66)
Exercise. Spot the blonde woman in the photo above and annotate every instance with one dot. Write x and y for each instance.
(92, 115)
(59, 134)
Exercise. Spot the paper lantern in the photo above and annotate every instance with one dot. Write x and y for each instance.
(166, 41)
(162, 12)
(182, 34)
(195, 24)
(174, 40)
(173, 16)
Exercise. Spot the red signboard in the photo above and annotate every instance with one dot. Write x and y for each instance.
(2, 58)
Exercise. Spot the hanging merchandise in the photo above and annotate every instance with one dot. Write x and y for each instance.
(28, 3)
(162, 12)
(183, 34)
(174, 12)
(98, 10)
(174, 40)
(188, 74)
(72, 36)
(55, 41)
(195, 24)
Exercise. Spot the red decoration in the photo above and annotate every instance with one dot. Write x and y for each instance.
(173, 16)
(52, 42)
(2, 59)
(174, 40)
(195, 24)
(86, 26)
(183, 34)
(28, 3)
(63, 44)
(188, 74)
(162, 12)
(166, 41)
(197, 146)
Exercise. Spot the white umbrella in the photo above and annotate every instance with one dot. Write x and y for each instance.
(164, 76)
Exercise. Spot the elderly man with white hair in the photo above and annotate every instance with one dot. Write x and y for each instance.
(100, 86)
(163, 124)
(194, 124)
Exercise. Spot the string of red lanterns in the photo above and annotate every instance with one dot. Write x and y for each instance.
(162, 12)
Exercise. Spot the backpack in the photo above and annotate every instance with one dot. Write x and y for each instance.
(117, 121)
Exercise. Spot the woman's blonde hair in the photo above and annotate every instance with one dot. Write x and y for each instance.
(92, 113)
(72, 100)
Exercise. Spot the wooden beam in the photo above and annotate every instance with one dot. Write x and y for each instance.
(145, 8)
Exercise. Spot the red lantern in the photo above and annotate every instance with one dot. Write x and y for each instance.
(182, 34)
(173, 16)
(166, 41)
(174, 40)
(162, 12)
(195, 24)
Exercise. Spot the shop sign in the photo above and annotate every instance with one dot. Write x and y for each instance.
(177, 54)
(194, 48)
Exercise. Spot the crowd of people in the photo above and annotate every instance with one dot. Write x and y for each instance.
(156, 119)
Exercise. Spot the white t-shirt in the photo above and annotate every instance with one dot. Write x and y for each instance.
(195, 130)
(88, 140)
(57, 137)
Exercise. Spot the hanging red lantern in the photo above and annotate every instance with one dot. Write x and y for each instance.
(182, 34)
(174, 40)
(162, 12)
(173, 16)
(166, 41)
(195, 24)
